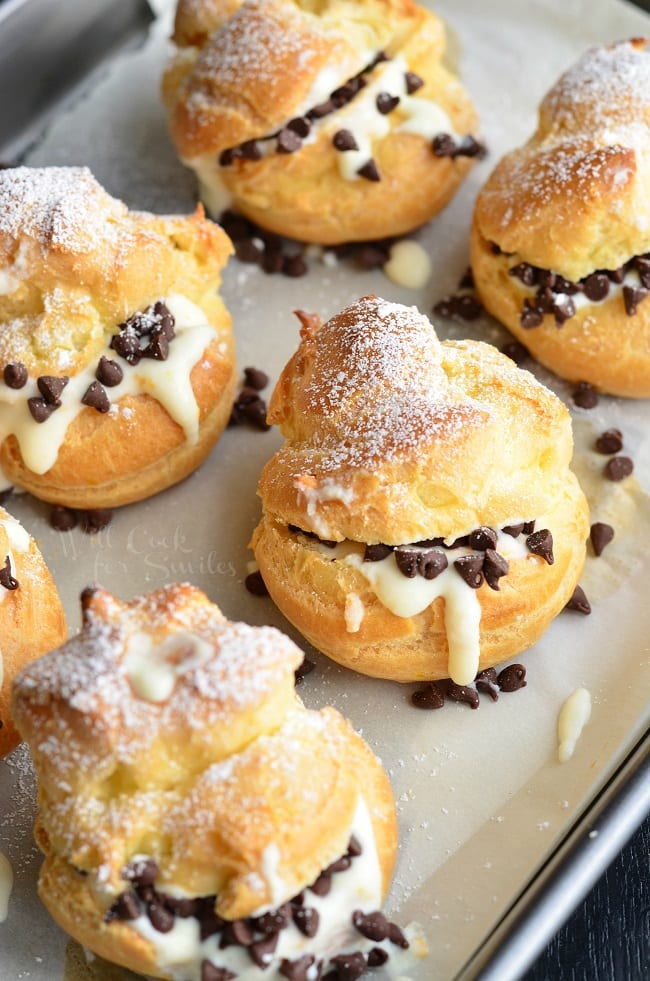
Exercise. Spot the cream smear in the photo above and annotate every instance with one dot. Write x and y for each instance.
(153, 670)
(573, 717)
(6, 885)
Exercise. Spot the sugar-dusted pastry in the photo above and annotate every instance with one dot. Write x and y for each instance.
(197, 821)
(116, 353)
(421, 520)
(32, 620)
(327, 122)
(560, 244)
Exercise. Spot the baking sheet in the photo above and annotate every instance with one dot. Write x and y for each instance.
(481, 798)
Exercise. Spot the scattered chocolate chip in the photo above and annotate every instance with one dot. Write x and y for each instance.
(579, 601)
(609, 442)
(618, 468)
(486, 681)
(51, 386)
(515, 351)
(141, 871)
(512, 678)
(272, 262)
(396, 936)
(470, 569)
(596, 286)
(632, 296)
(40, 409)
(601, 535)
(109, 372)
(463, 306)
(95, 519)
(255, 378)
(294, 266)
(288, 141)
(467, 280)
(386, 102)
(373, 256)
(373, 926)
(585, 396)
(7, 581)
(255, 412)
(298, 970)
(96, 398)
(160, 918)
(444, 145)
(125, 907)
(307, 920)
(303, 670)
(483, 538)
(15, 374)
(349, 967)
(255, 584)
(463, 693)
(495, 566)
(413, 82)
(429, 697)
(370, 171)
(62, 518)
(375, 553)
(377, 956)
(5, 494)
(210, 972)
(541, 543)
(248, 251)
(344, 140)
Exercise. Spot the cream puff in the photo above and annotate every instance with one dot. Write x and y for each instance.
(560, 242)
(328, 123)
(197, 820)
(32, 620)
(420, 521)
(117, 366)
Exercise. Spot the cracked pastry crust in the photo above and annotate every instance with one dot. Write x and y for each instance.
(394, 438)
(32, 620)
(116, 354)
(573, 202)
(164, 730)
(243, 72)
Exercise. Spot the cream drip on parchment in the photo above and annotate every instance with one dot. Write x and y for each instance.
(167, 381)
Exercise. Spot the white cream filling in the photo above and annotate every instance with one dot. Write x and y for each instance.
(181, 951)
(153, 670)
(166, 381)
(6, 885)
(408, 597)
(573, 717)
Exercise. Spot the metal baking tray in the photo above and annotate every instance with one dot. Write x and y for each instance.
(499, 841)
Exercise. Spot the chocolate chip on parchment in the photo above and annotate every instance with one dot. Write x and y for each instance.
(609, 442)
(305, 668)
(108, 372)
(248, 251)
(515, 351)
(512, 678)
(95, 519)
(294, 265)
(470, 568)
(307, 920)
(15, 375)
(7, 581)
(95, 397)
(370, 171)
(255, 412)
(429, 697)
(386, 102)
(255, 378)
(601, 535)
(618, 468)
(541, 543)
(62, 518)
(486, 681)
(466, 694)
(579, 601)
(255, 584)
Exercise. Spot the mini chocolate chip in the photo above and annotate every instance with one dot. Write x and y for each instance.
(564, 310)
(632, 296)
(407, 561)
(210, 922)
(322, 885)
(486, 681)
(181, 906)
(618, 468)
(15, 374)
(255, 412)
(470, 568)
(165, 319)
(349, 967)
(601, 535)
(339, 865)
(125, 907)
(466, 280)
(141, 871)
(431, 543)
(642, 264)
(443, 145)
(161, 919)
(372, 256)
(226, 157)
(40, 409)
(386, 102)
(127, 345)
(531, 316)
(495, 566)
(294, 266)
(512, 678)
(429, 697)
(585, 396)
(514, 530)
(51, 386)
(354, 847)
(210, 972)
(483, 538)
(96, 398)
(413, 82)
(369, 171)
(462, 542)
(375, 553)
(6, 494)
(323, 109)
(377, 956)
(298, 970)
(305, 668)
(250, 150)
(467, 307)
(373, 926)
(288, 141)
(463, 693)
(396, 936)
(62, 518)
(7, 581)
(300, 125)
(239, 932)
(275, 920)
(470, 147)
(255, 378)
(529, 527)
(579, 601)
(431, 563)
(255, 584)
(541, 543)
(95, 519)
(272, 262)
(596, 286)
(247, 250)
(157, 348)
(307, 920)
(609, 442)
(108, 372)
(526, 273)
